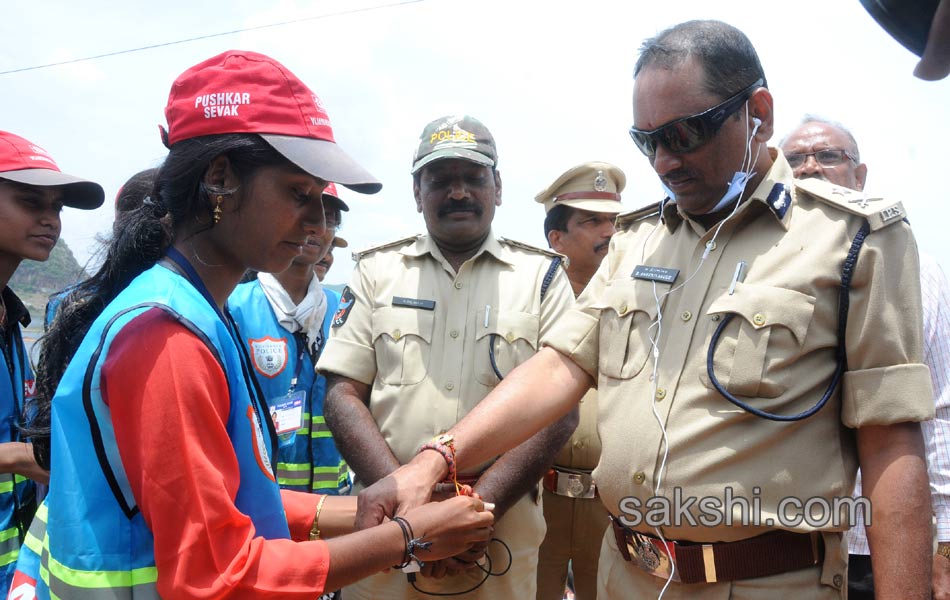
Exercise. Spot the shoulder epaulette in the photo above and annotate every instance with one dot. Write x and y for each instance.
(625, 220)
(530, 248)
(877, 211)
(401, 241)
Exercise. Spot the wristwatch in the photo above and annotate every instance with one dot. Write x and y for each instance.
(943, 549)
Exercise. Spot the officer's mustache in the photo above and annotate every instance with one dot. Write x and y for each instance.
(678, 175)
(602, 246)
(460, 206)
(814, 176)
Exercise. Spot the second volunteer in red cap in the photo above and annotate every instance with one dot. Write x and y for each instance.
(163, 448)
(33, 192)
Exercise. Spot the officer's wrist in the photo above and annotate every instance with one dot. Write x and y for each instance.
(432, 466)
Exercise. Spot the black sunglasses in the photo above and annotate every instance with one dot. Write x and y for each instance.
(689, 133)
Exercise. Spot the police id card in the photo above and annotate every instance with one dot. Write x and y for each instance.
(287, 412)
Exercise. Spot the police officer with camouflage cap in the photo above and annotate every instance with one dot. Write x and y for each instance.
(581, 205)
(427, 327)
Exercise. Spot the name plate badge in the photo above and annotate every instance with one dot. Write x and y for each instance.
(661, 274)
(414, 303)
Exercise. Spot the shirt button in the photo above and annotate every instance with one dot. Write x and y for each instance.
(510, 337)
(686, 316)
(579, 444)
(716, 317)
(458, 285)
(759, 319)
(454, 333)
(838, 580)
(639, 477)
(623, 310)
(450, 386)
(397, 334)
(660, 393)
(711, 244)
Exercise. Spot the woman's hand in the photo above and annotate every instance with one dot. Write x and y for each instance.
(452, 526)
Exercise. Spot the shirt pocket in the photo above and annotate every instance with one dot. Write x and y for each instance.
(513, 336)
(627, 312)
(759, 345)
(402, 338)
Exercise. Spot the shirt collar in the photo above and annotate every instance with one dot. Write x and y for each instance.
(426, 245)
(774, 191)
(16, 310)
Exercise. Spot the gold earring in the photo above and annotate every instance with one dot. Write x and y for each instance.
(216, 213)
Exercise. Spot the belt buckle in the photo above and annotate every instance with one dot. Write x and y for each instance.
(574, 485)
(652, 555)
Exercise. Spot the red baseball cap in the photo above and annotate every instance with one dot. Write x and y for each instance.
(246, 92)
(330, 191)
(24, 162)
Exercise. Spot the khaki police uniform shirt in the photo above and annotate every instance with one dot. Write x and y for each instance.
(777, 353)
(429, 367)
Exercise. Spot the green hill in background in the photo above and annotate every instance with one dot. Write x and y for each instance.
(34, 281)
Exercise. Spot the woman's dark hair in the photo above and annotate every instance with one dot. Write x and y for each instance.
(140, 238)
(134, 191)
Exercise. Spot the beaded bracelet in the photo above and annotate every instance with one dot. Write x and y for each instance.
(444, 445)
(315, 530)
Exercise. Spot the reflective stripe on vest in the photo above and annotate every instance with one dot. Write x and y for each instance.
(318, 427)
(63, 582)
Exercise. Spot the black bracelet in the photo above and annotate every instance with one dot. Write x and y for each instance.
(412, 544)
(407, 537)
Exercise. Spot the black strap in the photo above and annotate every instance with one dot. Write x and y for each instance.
(844, 300)
(549, 276)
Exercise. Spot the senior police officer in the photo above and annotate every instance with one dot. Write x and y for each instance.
(581, 205)
(823, 149)
(427, 327)
(737, 349)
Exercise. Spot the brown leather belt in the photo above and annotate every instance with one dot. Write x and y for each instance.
(570, 482)
(768, 554)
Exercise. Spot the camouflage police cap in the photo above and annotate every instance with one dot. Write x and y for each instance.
(458, 136)
(593, 186)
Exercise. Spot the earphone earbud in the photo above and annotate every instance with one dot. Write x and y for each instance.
(756, 121)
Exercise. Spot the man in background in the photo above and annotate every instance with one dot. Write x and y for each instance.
(826, 150)
(581, 205)
(427, 327)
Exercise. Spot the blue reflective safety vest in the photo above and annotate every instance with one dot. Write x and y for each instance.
(16, 385)
(27, 572)
(97, 544)
(308, 459)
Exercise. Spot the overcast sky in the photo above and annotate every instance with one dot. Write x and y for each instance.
(551, 79)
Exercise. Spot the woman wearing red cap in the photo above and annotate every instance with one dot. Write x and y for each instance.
(33, 191)
(162, 446)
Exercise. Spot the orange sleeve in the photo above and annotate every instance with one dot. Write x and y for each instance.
(169, 404)
(300, 508)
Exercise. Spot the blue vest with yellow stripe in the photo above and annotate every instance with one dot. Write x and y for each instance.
(97, 544)
(308, 459)
(16, 505)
